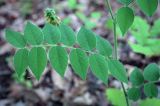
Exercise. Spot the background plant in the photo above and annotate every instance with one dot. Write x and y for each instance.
(147, 41)
(90, 21)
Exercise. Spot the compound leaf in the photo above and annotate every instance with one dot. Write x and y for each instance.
(37, 61)
(117, 70)
(15, 38)
(86, 39)
(33, 34)
(134, 94)
(125, 18)
(67, 35)
(150, 90)
(103, 46)
(59, 59)
(52, 34)
(20, 61)
(148, 6)
(79, 62)
(151, 72)
(136, 77)
(99, 67)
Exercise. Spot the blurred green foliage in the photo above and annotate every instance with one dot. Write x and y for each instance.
(67, 20)
(90, 21)
(146, 36)
(150, 102)
(26, 7)
(22, 80)
(72, 4)
(116, 97)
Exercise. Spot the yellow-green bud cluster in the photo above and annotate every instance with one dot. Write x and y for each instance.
(51, 17)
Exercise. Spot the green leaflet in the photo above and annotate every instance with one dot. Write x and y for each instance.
(134, 94)
(20, 61)
(103, 46)
(148, 50)
(116, 97)
(151, 72)
(126, 2)
(86, 39)
(117, 70)
(155, 28)
(146, 37)
(15, 38)
(33, 34)
(136, 77)
(52, 34)
(140, 29)
(148, 6)
(59, 59)
(37, 61)
(150, 90)
(150, 102)
(125, 18)
(79, 62)
(99, 67)
(67, 35)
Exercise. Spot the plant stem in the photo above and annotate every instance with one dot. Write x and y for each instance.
(65, 46)
(125, 94)
(115, 40)
(115, 45)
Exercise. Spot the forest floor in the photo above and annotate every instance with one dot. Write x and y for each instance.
(52, 90)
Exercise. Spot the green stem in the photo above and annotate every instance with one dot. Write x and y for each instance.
(115, 45)
(115, 40)
(65, 46)
(125, 94)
